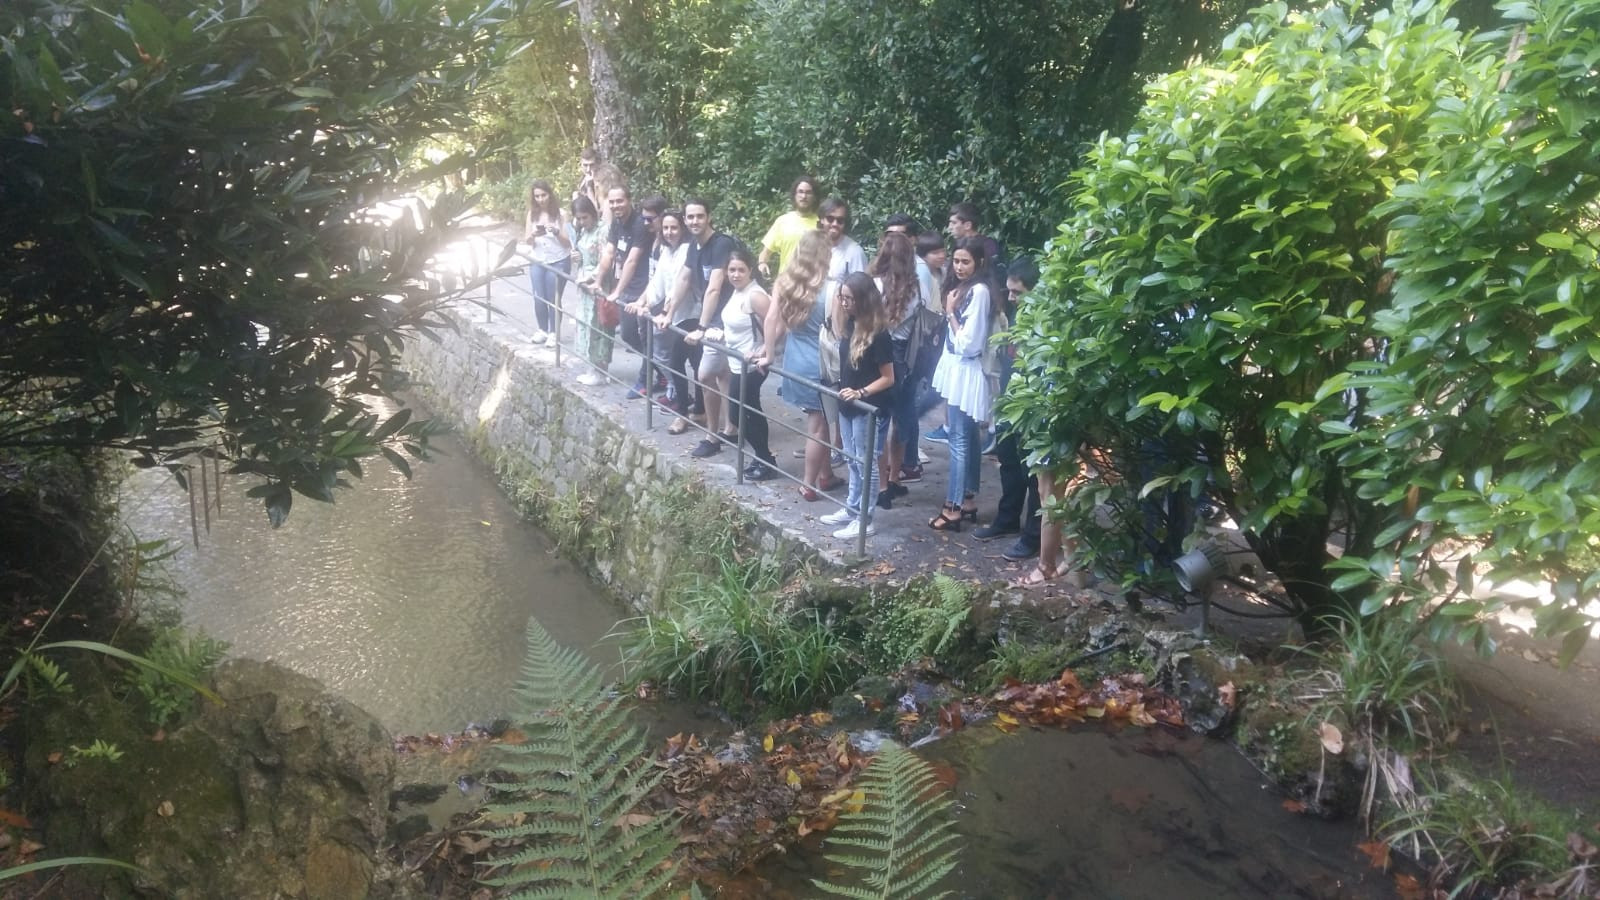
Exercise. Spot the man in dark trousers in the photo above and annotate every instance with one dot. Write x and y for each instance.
(627, 253)
(1018, 512)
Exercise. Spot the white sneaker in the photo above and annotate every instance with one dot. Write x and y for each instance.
(538, 337)
(838, 517)
(923, 458)
(853, 530)
(591, 379)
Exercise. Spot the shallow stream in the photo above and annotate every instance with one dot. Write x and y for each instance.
(410, 598)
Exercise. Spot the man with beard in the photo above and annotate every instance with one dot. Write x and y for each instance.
(787, 230)
(702, 289)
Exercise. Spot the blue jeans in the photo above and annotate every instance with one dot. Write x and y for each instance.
(964, 454)
(853, 433)
(545, 280)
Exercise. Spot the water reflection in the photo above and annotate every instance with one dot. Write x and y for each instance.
(408, 597)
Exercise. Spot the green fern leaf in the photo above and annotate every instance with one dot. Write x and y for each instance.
(900, 843)
(570, 786)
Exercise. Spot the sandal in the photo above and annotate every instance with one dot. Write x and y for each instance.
(809, 495)
(678, 427)
(831, 484)
(943, 522)
(1036, 576)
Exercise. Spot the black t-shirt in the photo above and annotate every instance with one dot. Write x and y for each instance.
(625, 235)
(879, 353)
(703, 259)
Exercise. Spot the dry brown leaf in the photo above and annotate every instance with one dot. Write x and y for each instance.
(1377, 853)
(1332, 738)
(1294, 806)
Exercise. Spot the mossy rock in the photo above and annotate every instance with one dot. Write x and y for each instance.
(282, 791)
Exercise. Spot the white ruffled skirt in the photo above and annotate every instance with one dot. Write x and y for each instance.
(962, 384)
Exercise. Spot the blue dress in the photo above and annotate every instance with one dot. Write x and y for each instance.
(801, 356)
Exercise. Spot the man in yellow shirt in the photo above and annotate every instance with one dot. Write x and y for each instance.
(785, 233)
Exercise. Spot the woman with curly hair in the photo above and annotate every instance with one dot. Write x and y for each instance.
(793, 328)
(894, 271)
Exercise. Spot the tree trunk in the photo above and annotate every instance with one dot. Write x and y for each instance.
(613, 116)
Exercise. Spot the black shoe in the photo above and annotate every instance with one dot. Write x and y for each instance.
(897, 490)
(706, 448)
(1021, 550)
(759, 471)
(993, 530)
(885, 500)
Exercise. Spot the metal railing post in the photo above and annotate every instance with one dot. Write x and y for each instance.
(649, 330)
(560, 289)
(488, 286)
(868, 470)
(741, 413)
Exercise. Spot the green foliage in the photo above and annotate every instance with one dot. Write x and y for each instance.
(569, 787)
(1028, 662)
(41, 675)
(100, 750)
(190, 655)
(1486, 834)
(897, 107)
(1220, 269)
(734, 640)
(193, 253)
(908, 625)
(1481, 415)
(901, 843)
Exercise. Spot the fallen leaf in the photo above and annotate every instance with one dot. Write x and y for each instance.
(819, 719)
(1532, 656)
(633, 820)
(857, 801)
(766, 743)
(28, 848)
(1377, 853)
(165, 809)
(473, 846)
(1332, 738)
(1408, 887)
(1294, 806)
(53, 758)
(15, 820)
(791, 779)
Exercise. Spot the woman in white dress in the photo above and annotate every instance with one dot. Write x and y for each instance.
(960, 379)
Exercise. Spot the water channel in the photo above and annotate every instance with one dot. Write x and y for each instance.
(410, 598)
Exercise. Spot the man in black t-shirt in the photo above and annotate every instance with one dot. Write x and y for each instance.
(697, 302)
(626, 255)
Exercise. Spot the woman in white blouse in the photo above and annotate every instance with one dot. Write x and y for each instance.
(961, 381)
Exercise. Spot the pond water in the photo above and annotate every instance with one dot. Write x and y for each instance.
(411, 598)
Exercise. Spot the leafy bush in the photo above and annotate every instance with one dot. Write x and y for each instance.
(192, 252)
(1222, 264)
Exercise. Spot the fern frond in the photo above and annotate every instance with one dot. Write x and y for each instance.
(900, 843)
(569, 786)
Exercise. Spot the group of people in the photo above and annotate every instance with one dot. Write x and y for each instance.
(896, 336)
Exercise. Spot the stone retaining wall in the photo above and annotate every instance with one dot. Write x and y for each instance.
(635, 518)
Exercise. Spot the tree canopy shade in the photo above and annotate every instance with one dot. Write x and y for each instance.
(190, 259)
(1342, 280)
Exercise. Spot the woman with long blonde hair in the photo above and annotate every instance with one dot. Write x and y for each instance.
(793, 329)
(866, 378)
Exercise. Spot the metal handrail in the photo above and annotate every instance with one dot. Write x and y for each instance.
(867, 499)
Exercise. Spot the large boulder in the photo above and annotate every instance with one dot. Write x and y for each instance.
(281, 792)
